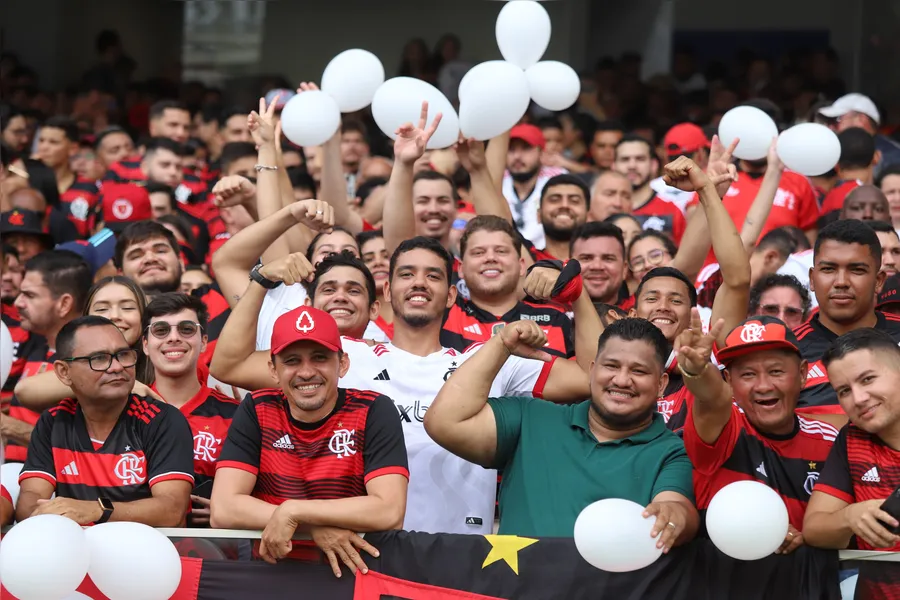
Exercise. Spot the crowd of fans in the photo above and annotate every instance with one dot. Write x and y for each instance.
(216, 328)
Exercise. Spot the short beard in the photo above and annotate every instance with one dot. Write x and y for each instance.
(557, 234)
(525, 175)
(162, 287)
(622, 422)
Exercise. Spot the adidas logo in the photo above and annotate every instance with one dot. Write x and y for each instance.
(762, 470)
(871, 476)
(473, 329)
(283, 443)
(383, 376)
(70, 469)
(815, 372)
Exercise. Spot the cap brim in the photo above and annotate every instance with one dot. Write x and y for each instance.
(833, 112)
(523, 139)
(279, 349)
(726, 355)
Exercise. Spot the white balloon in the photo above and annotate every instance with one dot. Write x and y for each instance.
(115, 550)
(310, 118)
(44, 558)
(399, 101)
(9, 477)
(493, 97)
(614, 536)
(553, 85)
(523, 32)
(747, 520)
(77, 596)
(352, 78)
(6, 353)
(754, 128)
(809, 149)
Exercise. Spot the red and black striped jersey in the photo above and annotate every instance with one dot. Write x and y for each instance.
(334, 458)
(861, 467)
(789, 464)
(817, 396)
(78, 203)
(149, 444)
(125, 171)
(21, 341)
(466, 323)
(209, 413)
(673, 405)
(218, 310)
(38, 358)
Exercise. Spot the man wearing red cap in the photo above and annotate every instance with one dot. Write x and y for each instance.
(307, 454)
(745, 426)
(684, 139)
(524, 180)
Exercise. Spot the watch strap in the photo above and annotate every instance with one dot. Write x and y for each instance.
(256, 276)
(107, 507)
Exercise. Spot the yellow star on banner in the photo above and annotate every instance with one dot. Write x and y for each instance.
(506, 548)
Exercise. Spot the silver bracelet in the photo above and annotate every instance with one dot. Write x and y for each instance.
(264, 168)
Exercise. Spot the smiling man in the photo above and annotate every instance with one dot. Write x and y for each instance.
(147, 253)
(744, 427)
(600, 249)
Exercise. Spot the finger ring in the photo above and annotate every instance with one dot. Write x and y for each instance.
(672, 525)
(791, 533)
(318, 212)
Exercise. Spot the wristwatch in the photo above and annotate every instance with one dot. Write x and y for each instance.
(107, 507)
(256, 276)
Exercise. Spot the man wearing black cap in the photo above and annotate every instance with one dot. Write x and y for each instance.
(744, 427)
(889, 298)
(24, 230)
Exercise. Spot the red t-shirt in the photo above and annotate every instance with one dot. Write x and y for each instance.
(663, 216)
(794, 205)
(834, 200)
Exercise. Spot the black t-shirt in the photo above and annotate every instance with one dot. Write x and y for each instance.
(150, 443)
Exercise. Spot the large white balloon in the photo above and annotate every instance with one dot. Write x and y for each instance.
(44, 558)
(747, 520)
(77, 596)
(399, 101)
(809, 149)
(553, 85)
(115, 550)
(9, 477)
(6, 353)
(755, 129)
(352, 78)
(310, 118)
(614, 536)
(523, 32)
(492, 98)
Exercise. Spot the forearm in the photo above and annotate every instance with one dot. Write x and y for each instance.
(709, 390)
(163, 511)
(237, 341)
(42, 391)
(465, 394)
(759, 210)
(297, 238)
(692, 524)
(333, 188)
(827, 529)
(26, 503)
(17, 431)
(399, 221)
(358, 513)
(240, 511)
(726, 242)
(268, 200)
(588, 332)
(695, 245)
(495, 153)
(486, 197)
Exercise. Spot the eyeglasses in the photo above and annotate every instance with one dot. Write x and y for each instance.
(161, 329)
(654, 258)
(102, 361)
(773, 310)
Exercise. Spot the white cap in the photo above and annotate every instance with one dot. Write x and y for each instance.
(852, 103)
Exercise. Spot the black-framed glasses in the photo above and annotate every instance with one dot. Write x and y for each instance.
(102, 361)
(161, 329)
(654, 258)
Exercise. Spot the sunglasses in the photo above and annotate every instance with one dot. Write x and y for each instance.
(161, 329)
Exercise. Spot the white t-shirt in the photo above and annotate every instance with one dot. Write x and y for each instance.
(446, 493)
(798, 265)
(670, 194)
(525, 211)
(286, 298)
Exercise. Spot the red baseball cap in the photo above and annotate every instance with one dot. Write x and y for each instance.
(124, 204)
(757, 334)
(530, 134)
(685, 138)
(305, 323)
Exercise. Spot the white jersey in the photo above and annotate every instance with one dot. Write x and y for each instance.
(446, 493)
(525, 210)
(677, 197)
(286, 298)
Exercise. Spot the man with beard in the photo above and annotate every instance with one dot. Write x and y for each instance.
(564, 205)
(744, 427)
(600, 249)
(863, 468)
(492, 267)
(845, 277)
(636, 160)
(147, 253)
(524, 180)
(446, 494)
(556, 460)
(890, 245)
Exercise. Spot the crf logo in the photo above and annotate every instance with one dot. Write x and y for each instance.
(752, 332)
(79, 208)
(811, 478)
(665, 408)
(122, 209)
(130, 469)
(205, 446)
(342, 443)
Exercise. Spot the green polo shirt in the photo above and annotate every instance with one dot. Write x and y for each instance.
(553, 466)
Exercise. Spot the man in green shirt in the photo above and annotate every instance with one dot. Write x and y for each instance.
(557, 459)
